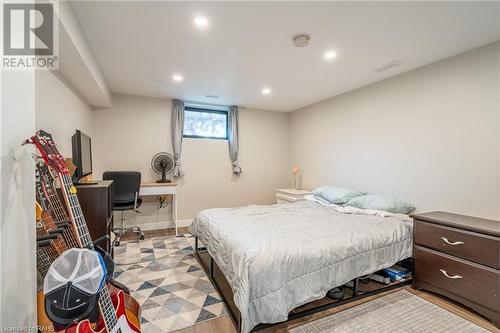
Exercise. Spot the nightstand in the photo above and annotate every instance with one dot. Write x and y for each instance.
(459, 257)
(287, 195)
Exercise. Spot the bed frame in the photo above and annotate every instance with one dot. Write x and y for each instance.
(224, 289)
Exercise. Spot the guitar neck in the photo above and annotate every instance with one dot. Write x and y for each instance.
(105, 303)
(55, 204)
(60, 215)
(74, 210)
(107, 310)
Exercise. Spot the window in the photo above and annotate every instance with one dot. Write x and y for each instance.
(205, 123)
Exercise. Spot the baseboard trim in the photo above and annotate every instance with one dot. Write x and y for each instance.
(165, 224)
(184, 223)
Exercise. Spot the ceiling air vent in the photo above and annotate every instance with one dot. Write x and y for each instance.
(213, 96)
(390, 65)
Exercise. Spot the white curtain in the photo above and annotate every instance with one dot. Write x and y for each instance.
(233, 132)
(176, 132)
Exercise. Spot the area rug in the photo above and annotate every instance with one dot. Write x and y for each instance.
(166, 279)
(400, 311)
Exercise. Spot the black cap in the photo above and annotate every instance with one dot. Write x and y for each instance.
(68, 304)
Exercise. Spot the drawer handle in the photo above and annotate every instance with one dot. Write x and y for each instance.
(454, 277)
(451, 243)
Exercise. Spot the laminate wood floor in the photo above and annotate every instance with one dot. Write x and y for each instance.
(225, 325)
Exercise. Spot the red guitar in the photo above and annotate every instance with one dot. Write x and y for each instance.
(114, 317)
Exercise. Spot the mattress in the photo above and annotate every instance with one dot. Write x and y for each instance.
(278, 257)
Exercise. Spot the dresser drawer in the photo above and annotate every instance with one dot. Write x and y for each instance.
(483, 249)
(476, 283)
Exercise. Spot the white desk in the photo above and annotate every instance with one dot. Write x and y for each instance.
(156, 189)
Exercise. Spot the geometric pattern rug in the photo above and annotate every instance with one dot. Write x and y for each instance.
(164, 276)
(398, 312)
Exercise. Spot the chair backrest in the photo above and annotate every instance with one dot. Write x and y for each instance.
(125, 185)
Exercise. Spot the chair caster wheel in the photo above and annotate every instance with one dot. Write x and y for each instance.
(141, 237)
(117, 243)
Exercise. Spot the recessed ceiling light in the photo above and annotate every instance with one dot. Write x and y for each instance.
(177, 78)
(266, 91)
(329, 55)
(201, 21)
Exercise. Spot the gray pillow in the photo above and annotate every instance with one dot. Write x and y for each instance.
(380, 202)
(336, 195)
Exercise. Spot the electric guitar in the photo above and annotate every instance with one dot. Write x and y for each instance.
(114, 316)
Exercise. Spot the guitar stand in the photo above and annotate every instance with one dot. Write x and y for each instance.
(49, 237)
(56, 231)
(63, 224)
(44, 243)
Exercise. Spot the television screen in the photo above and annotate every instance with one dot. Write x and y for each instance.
(86, 156)
(82, 154)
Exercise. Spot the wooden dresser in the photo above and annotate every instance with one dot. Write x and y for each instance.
(459, 257)
(96, 201)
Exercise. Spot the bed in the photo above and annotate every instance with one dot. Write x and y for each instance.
(279, 257)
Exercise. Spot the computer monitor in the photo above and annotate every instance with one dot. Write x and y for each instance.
(82, 155)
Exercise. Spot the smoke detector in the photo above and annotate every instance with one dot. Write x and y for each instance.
(301, 40)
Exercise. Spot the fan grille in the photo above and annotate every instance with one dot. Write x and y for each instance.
(169, 162)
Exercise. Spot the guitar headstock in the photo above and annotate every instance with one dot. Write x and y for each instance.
(41, 198)
(40, 181)
(48, 150)
(45, 173)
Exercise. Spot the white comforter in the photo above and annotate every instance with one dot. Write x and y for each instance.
(282, 256)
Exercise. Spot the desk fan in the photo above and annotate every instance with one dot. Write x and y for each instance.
(163, 164)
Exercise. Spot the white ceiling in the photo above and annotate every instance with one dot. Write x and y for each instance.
(140, 45)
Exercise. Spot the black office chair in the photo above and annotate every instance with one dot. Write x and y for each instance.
(126, 185)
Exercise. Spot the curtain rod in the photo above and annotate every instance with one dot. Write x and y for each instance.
(213, 106)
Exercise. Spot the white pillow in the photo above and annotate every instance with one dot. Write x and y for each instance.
(336, 195)
(380, 202)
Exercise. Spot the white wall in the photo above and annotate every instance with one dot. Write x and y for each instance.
(429, 136)
(60, 111)
(130, 133)
(17, 202)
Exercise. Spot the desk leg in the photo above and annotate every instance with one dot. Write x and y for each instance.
(174, 212)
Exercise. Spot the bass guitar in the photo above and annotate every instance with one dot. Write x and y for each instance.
(114, 317)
